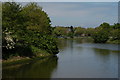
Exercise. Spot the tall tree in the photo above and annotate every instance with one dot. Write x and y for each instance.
(101, 34)
(37, 19)
(71, 34)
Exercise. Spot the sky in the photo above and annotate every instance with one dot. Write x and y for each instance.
(62, 0)
(84, 14)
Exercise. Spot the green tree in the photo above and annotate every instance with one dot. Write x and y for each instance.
(26, 28)
(115, 34)
(37, 19)
(39, 28)
(89, 31)
(79, 31)
(60, 31)
(116, 26)
(71, 32)
(100, 36)
(101, 33)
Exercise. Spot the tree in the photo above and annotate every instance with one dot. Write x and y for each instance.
(71, 33)
(115, 34)
(79, 31)
(89, 31)
(39, 28)
(10, 21)
(37, 19)
(26, 28)
(12, 27)
(60, 31)
(104, 25)
(116, 26)
(101, 34)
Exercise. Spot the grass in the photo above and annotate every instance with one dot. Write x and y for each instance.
(37, 54)
(113, 41)
(22, 61)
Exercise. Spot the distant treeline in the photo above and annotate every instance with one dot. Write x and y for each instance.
(104, 33)
(26, 31)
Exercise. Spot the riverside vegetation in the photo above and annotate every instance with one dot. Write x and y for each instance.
(27, 32)
(101, 34)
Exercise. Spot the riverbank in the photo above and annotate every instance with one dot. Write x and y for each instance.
(68, 38)
(90, 38)
(40, 54)
(75, 56)
(19, 61)
(114, 42)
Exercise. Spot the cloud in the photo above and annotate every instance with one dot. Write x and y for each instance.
(86, 14)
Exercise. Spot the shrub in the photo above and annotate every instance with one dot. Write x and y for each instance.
(100, 36)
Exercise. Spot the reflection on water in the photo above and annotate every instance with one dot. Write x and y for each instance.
(36, 69)
(81, 58)
(102, 52)
(78, 58)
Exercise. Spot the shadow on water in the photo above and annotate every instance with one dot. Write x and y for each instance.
(102, 52)
(36, 69)
(81, 58)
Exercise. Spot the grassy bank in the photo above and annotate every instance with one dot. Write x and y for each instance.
(90, 38)
(113, 41)
(19, 61)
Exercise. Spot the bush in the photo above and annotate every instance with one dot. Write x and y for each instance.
(39, 52)
(115, 34)
(26, 31)
(100, 36)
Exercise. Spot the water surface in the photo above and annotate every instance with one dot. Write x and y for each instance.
(78, 58)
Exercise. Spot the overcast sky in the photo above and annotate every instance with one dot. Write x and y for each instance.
(84, 14)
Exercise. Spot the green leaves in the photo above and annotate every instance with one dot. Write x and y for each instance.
(100, 36)
(29, 26)
(79, 31)
(60, 31)
(101, 33)
(37, 19)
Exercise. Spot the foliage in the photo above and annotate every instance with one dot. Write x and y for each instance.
(79, 31)
(89, 31)
(71, 33)
(39, 52)
(8, 41)
(115, 34)
(36, 19)
(116, 26)
(24, 27)
(60, 31)
(106, 32)
(65, 32)
(101, 34)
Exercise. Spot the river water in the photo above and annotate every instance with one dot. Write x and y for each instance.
(78, 58)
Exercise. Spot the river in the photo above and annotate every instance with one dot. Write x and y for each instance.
(78, 58)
